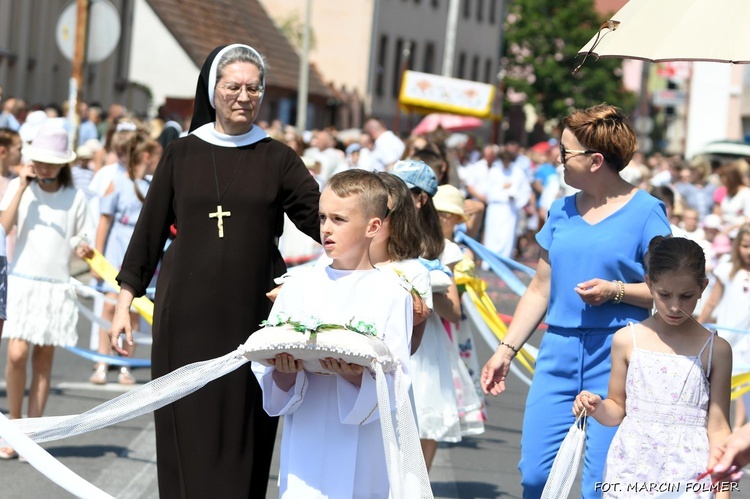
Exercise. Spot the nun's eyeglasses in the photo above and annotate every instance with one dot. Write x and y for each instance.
(234, 89)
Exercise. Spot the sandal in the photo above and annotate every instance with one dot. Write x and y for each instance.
(125, 377)
(8, 453)
(99, 377)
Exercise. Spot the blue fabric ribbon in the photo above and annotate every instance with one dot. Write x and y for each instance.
(113, 360)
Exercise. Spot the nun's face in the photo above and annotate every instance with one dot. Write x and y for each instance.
(235, 113)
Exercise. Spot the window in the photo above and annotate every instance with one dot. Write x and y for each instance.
(412, 55)
(488, 70)
(380, 69)
(493, 11)
(475, 68)
(461, 65)
(480, 10)
(435, 4)
(467, 9)
(429, 58)
(396, 82)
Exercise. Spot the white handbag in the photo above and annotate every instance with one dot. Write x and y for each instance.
(567, 460)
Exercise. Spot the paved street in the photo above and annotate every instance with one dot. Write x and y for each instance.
(122, 461)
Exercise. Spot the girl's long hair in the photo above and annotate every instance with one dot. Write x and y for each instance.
(404, 242)
(65, 177)
(140, 144)
(736, 260)
(433, 241)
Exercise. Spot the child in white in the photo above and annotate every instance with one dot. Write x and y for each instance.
(42, 313)
(332, 445)
(729, 304)
(729, 301)
(669, 385)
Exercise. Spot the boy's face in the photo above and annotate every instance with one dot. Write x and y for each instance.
(345, 231)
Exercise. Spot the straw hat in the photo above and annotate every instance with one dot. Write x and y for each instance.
(50, 145)
(450, 200)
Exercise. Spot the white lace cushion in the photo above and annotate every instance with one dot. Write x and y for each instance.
(353, 347)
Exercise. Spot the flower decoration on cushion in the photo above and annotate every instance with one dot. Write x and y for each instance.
(356, 342)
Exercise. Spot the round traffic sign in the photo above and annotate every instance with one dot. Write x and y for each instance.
(104, 30)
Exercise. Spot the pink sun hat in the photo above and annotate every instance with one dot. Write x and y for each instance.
(50, 145)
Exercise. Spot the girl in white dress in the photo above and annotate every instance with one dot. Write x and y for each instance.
(729, 304)
(669, 385)
(50, 214)
(432, 365)
(397, 246)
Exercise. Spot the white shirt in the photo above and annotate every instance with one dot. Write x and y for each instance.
(47, 221)
(387, 150)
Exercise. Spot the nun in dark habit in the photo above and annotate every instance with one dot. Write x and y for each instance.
(225, 187)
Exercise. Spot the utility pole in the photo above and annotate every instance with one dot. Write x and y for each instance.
(372, 66)
(405, 55)
(79, 62)
(304, 73)
(450, 38)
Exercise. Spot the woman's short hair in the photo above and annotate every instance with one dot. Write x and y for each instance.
(241, 54)
(604, 129)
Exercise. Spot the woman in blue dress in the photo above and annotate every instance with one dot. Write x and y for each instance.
(120, 208)
(590, 283)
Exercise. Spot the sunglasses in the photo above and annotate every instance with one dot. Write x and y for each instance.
(564, 152)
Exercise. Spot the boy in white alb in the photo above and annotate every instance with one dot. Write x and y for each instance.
(332, 445)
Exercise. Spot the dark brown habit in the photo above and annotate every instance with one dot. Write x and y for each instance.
(217, 442)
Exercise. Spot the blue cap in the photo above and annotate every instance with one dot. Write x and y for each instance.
(416, 174)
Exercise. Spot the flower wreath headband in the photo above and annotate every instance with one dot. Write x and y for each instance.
(215, 65)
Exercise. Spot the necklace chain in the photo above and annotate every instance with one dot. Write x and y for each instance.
(220, 196)
(219, 214)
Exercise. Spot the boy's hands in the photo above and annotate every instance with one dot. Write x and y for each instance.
(586, 400)
(285, 363)
(350, 372)
(285, 374)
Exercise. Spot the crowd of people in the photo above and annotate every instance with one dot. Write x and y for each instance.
(177, 207)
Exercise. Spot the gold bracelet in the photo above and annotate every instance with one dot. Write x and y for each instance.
(620, 292)
(515, 350)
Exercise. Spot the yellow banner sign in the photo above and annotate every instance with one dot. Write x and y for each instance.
(451, 95)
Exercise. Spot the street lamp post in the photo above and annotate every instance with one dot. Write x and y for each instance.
(304, 73)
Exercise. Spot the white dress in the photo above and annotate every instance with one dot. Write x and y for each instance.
(41, 301)
(663, 438)
(733, 311)
(435, 397)
(332, 444)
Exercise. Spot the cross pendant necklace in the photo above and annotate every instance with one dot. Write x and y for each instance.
(219, 214)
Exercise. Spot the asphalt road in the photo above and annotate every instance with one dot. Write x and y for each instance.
(121, 459)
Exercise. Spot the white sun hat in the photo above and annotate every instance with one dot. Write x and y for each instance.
(50, 145)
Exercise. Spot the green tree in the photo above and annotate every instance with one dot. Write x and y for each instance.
(542, 39)
(293, 27)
